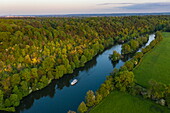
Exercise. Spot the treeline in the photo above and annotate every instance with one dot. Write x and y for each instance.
(115, 56)
(123, 80)
(34, 51)
(158, 38)
(133, 45)
(128, 48)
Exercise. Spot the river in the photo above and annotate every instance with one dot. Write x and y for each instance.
(60, 96)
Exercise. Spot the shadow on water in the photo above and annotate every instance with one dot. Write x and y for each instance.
(114, 63)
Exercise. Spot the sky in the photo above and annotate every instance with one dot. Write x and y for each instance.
(44, 7)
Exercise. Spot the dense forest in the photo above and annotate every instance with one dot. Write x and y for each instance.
(34, 51)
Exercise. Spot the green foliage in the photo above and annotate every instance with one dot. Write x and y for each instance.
(17, 91)
(156, 90)
(7, 103)
(76, 61)
(115, 56)
(129, 65)
(98, 98)
(24, 88)
(133, 45)
(25, 75)
(9, 109)
(82, 108)
(44, 80)
(1, 98)
(15, 79)
(106, 87)
(14, 100)
(124, 80)
(48, 63)
(90, 98)
(71, 111)
(34, 72)
(83, 60)
(138, 55)
(126, 49)
(167, 98)
(158, 36)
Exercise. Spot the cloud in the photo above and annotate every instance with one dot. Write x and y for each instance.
(116, 4)
(136, 7)
(149, 6)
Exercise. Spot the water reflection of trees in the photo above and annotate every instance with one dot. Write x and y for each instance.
(115, 63)
(50, 90)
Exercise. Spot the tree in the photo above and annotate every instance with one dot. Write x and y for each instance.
(48, 63)
(158, 36)
(98, 98)
(72, 65)
(138, 55)
(126, 49)
(115, 56)
(157, 90)
(87, 54)
(17, 92)
(167, 98)
(6, 84)
(76, 61)
(34, 72)
(44, 80)
(90, 98)
(124, 80)
(7, 103)
(83, 60)
(82, 108)
(1, 98)
(129, 65)
(24, 87)
(14, 100)
(71, 111)
(60, 71)
(103, 91)
(15, 79)
(26, 75)
(134, 45)
(27, 59)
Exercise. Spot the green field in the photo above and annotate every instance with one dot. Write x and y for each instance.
(120, 102)
(155, 64)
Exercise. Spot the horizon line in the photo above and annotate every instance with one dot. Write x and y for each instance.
(17, 15)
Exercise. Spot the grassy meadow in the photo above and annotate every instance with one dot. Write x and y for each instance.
(121, 102)
(155, 64)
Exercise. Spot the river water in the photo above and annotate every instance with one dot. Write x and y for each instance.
(60, 96)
